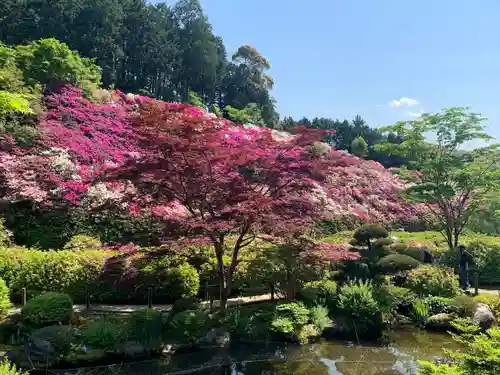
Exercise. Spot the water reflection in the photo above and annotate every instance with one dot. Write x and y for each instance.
(324, 358)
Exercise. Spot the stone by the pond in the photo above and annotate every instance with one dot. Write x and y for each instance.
(219, 337)
(440, 322)
(133, 349)
(483, 316)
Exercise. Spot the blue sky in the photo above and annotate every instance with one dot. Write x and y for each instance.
(339, 58)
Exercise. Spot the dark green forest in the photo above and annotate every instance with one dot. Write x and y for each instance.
(171, 53)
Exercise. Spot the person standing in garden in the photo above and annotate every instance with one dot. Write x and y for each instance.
(464, 262)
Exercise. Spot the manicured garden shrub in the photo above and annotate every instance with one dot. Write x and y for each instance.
(110, 276)
(48, 309)
(146, 327)
(59, 336)
(5, 304)
(416, 253)
(187, 328)
(394, 263)
(71, 272)
(103, 334)
(358, 305)
(433, 281)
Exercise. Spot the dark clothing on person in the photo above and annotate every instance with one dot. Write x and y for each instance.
(427, 256)
(464, 262)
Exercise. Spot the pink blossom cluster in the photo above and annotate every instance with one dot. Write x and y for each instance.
(82, 141)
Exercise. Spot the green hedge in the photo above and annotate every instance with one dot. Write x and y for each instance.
(109, 276)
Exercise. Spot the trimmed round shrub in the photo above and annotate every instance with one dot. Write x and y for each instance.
(368, 232)
(433, 281)
(394, 263)
(5, 304)
(48, 309)
(464, 305)
(59, 336)
(416, 253)
(399, 247)
(103, 334)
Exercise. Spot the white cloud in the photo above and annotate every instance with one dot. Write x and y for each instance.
(327, 111)
(416, 114)
(404, 102)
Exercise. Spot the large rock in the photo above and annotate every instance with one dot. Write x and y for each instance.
(440, 322)
(483, 316)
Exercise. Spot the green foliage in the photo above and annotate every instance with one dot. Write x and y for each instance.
(103, 334)
(307, 332)
(239, 321)
(357, 303)
(66, 271)
(320, 292)
(493, 301)
(189, 327)
(5, 304)
(48, 309)
(251, 114)
(297, 312)
(438, 305)
(390, 297)
(415, 252)
(481, 355)
(429, 368)
(394, 263)
(319, 318)
(464, 305)
(110, 277)
(451, 183)
(420, 311)
(12, 102)
(365, 234)
(48, 61)
(6, 368)
(146, 327)
(184, 304)
(59, 336)
(433, 281)
(83, 242)
(359, 147)
(194, 99)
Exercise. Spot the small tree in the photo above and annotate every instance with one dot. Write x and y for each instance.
(449, 181)
(210, 180)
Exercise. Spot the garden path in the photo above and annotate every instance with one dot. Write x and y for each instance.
(125, 309)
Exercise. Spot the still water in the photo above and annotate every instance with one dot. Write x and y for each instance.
(323, 358)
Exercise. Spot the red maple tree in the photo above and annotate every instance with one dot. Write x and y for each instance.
(211, 180)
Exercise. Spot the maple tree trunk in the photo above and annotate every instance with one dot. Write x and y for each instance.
(223, 293)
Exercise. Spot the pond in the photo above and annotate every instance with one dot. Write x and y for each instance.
(323, 358)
